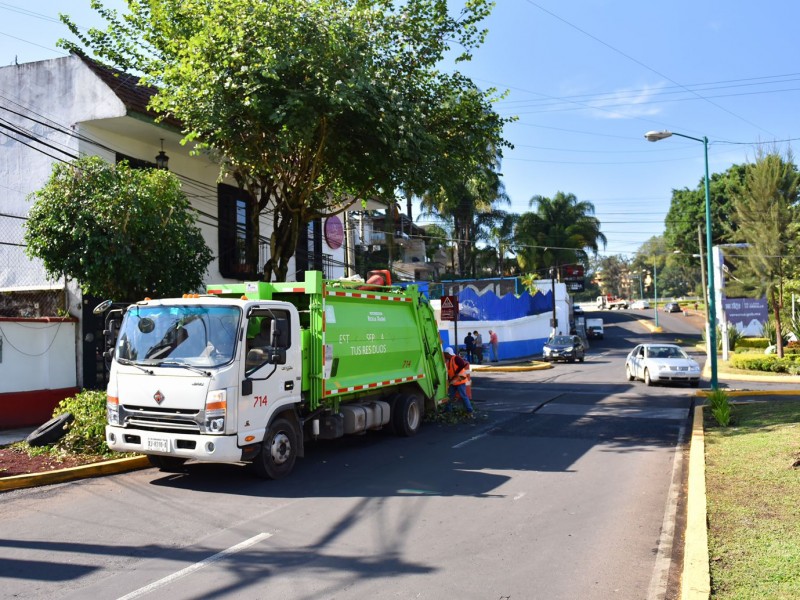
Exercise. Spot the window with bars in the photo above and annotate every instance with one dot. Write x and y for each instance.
(235, 232)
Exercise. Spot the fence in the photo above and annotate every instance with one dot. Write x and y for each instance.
(22, 291)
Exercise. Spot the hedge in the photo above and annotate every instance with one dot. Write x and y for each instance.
(752, 342)
(767, 362)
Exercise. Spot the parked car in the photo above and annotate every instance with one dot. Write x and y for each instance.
(655, 363)
(641, 305)
(564, 347)
(671, 307)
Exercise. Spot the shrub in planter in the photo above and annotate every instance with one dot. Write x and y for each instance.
(86, 434)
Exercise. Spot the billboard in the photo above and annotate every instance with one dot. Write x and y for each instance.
(574, 277)
(748, 315)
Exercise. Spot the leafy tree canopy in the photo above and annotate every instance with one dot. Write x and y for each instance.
(687, 210)
(312, 101)
(123, 233)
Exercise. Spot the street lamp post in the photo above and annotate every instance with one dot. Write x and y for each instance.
(655, 136)
(655, 290)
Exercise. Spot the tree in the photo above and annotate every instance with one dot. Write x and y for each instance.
(466, 204)
(560, 232)
(688, 207)
(611, 275)
(765, 212)
(496, 229)
(123, 233)
(311, 102)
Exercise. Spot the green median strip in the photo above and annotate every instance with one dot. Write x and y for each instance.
(753, 493)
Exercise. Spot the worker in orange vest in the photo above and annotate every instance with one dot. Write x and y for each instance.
(457, 378)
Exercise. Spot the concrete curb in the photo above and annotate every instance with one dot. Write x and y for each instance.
(747, 377)
(734, 393)
(650, 326)
(109, 467)
(533, 366)
(696, 577)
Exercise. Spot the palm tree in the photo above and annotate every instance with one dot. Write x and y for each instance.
(458, 206)
(561, 231)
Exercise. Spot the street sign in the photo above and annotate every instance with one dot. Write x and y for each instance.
(449, 308)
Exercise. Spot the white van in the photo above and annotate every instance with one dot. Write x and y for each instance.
(594, 329)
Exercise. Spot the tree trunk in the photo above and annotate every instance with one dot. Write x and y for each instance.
(776, 309)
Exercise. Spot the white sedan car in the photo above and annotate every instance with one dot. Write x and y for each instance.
(654, 363)
(641, 305)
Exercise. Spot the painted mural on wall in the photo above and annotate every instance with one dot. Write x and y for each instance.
(488, 307)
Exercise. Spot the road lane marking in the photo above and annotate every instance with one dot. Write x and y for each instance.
(470, 440)
(196, 567)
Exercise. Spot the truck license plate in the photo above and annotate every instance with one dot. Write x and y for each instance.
(158, 444)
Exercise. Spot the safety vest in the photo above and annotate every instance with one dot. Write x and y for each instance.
(461, 377)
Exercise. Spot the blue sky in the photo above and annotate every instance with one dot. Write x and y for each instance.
(587, 79)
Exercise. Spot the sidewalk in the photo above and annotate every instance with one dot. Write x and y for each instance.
(11, 436)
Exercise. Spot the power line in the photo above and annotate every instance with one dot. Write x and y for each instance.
(640, 63)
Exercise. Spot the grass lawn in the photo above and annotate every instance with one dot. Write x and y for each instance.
(753, 487)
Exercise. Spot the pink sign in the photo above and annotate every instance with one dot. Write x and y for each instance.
(334, 232)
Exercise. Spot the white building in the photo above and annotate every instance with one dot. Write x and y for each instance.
(57, 110)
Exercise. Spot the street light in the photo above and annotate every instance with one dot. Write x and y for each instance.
(655, 136)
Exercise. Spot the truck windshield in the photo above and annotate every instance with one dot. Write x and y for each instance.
(202, 336)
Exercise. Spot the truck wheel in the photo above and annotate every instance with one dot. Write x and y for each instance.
(50, 432)
(167, 464)
(407, 417)
(278, 452)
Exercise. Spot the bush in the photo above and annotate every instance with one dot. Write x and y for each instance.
(86, 434)
(766, 362)
(757, 342)
(720, 407)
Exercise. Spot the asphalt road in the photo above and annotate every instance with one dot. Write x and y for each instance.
(565, 488)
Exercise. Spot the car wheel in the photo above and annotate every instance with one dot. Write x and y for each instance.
(628, 373)
(581, 358)
(647, 380)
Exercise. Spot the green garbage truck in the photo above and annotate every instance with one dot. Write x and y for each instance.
(249, 371)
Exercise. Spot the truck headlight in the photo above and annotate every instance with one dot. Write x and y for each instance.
(112, 410)
(216, 411)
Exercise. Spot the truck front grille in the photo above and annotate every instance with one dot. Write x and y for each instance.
(161, 419)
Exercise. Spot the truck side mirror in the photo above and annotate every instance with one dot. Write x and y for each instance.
(278, 356)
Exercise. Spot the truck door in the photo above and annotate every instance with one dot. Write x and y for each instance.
(269, 366)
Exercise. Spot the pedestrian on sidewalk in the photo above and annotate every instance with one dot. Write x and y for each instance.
(494, 342)
(469, 346)
(478, 347)
(457, 379)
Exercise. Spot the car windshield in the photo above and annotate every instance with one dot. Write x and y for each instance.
(665, 352)
(202, 336)
(561, 340)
